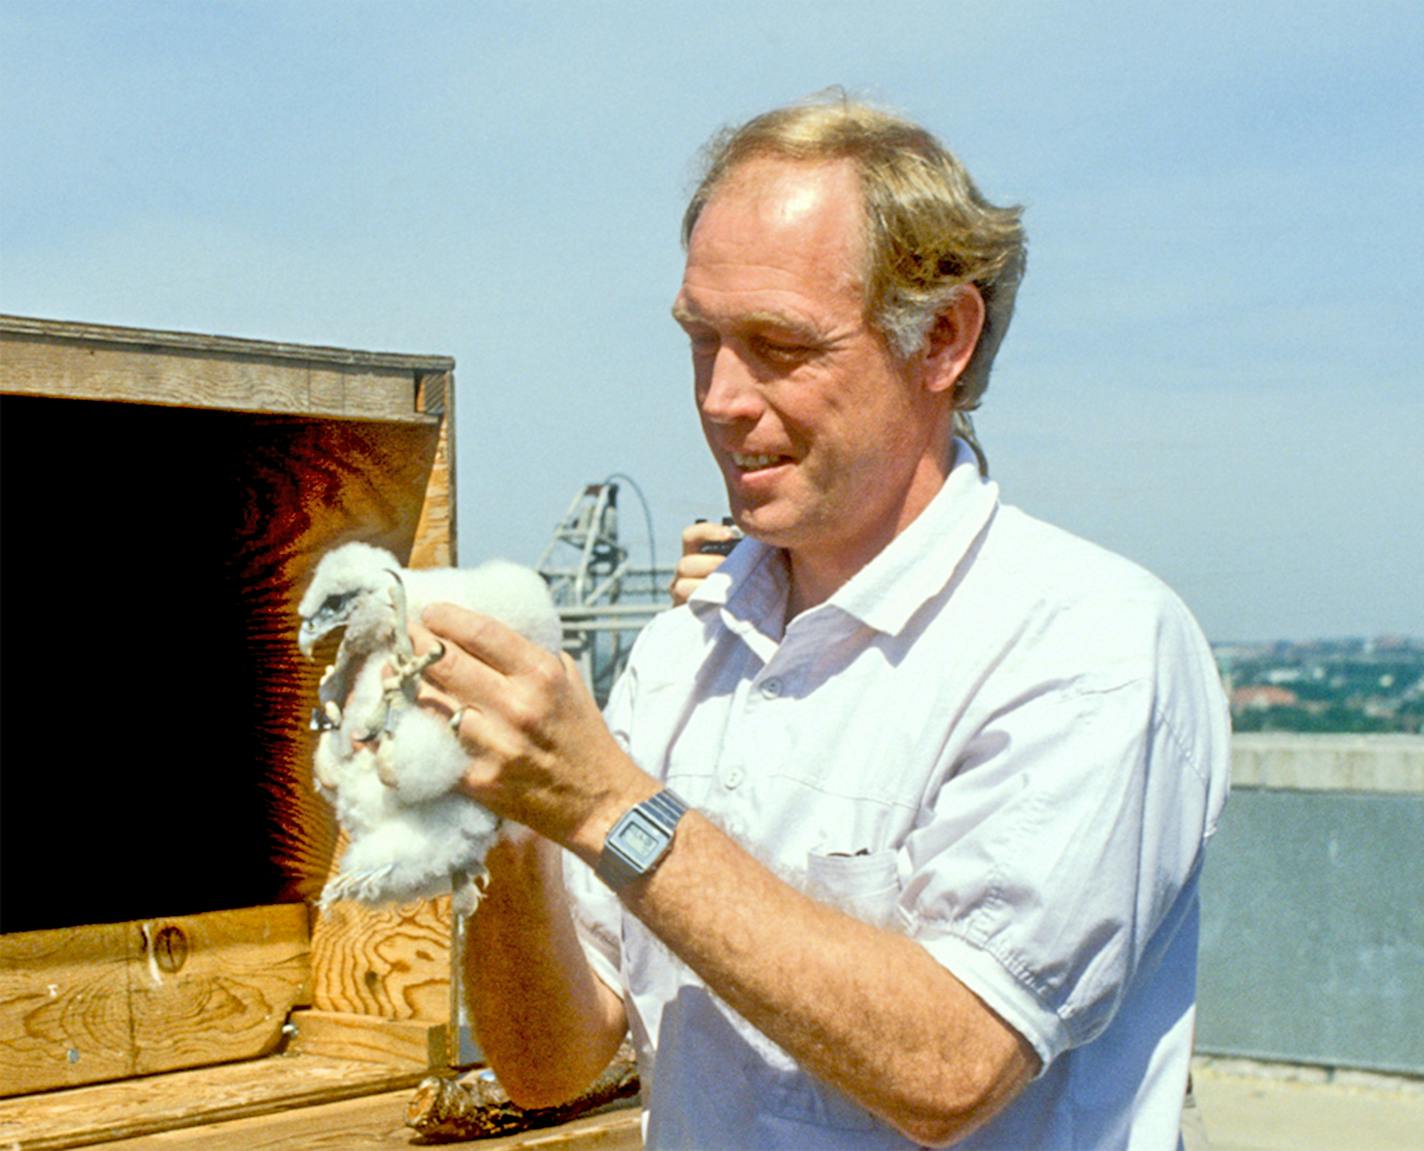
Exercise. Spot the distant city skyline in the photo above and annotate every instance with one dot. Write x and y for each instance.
(1216, 368)
(1361, 686)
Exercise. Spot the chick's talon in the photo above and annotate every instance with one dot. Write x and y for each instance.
(418, 665)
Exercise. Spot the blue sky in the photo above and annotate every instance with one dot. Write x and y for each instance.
(1217, 364)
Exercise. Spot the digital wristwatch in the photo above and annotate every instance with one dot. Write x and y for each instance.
(638, 841)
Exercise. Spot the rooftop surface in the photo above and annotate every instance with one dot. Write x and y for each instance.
(1261, 1107)
(1245, 1107)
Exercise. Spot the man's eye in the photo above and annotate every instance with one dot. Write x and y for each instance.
(703, 345)
(781, 351)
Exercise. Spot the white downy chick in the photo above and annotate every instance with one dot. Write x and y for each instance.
(410, 834)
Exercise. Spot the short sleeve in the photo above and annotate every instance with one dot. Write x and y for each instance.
(1052, 864)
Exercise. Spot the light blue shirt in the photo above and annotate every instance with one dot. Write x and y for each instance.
(998, 739)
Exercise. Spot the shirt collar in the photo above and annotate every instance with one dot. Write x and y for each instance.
(749, 588)
(917, 563)
(751, 585)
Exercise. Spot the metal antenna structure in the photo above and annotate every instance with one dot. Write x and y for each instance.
(604, 599)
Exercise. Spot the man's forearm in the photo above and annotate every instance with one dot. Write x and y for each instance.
(867, 1010)
(547, 1024)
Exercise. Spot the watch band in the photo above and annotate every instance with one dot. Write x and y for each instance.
(638, 841)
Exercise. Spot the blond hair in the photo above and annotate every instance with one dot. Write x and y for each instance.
(928, 229)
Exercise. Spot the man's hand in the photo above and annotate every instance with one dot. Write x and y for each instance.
(696, 565)
(540, 753)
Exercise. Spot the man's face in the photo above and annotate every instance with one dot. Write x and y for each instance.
(829, 446)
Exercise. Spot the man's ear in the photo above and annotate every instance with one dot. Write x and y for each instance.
(952, 338)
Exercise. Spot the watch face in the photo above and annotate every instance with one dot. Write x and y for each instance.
(639, 842)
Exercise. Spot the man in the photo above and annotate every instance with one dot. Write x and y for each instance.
(948, 771)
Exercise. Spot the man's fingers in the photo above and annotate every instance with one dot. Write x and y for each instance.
(483, 637)
(691, 570)
(695, 535)
(457, 676)
(433, 699)
(518, 699)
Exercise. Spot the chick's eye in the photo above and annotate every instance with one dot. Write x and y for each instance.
(337, 601)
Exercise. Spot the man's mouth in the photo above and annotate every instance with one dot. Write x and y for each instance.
(751, 463)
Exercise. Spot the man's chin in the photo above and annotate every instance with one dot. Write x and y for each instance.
(761, 526)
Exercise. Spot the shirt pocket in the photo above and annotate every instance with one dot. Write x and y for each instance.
(866, 885)
(796, 1096)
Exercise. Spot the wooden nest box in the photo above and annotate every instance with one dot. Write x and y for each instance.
(165, 499)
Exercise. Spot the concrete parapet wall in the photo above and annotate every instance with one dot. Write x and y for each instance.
(1282, 762)
(1312, 943)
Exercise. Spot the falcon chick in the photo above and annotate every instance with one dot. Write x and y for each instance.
(388, 767)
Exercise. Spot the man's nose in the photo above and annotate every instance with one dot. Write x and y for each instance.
(728, 391)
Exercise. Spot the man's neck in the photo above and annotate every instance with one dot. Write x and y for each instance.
(816, 574)
(813, 583)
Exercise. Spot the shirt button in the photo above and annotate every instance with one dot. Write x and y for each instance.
(732, 777)
(771, 687)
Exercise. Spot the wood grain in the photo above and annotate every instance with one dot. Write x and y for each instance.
(199, 343)
(85, 1004)
(374, 1124)
(216, 987)
(309, 486)
(408, 1043)
(138, 1107)
(64, 1011)
(436, 541)
(223, 380)
(389, 962)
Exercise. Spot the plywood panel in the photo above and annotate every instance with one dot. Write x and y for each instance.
(216, 987)
(64, 1009)
(133, 365)
(198, 343)
(230, 382)
(139, 1107)
(375, 1124)
(85, 1004)
(390, 962)
(310, 485)
(410, 1043)
(436, 541)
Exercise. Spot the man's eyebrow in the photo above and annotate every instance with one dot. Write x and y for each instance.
(682, 315)
(752, 321)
